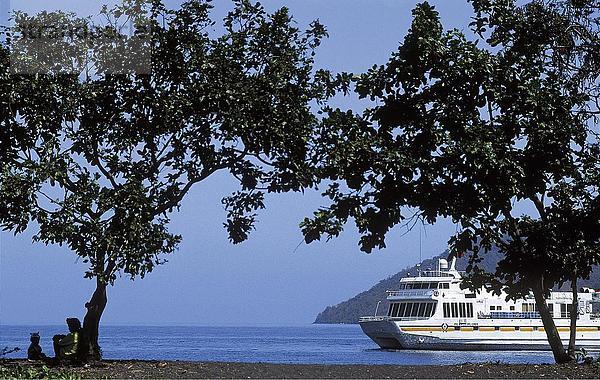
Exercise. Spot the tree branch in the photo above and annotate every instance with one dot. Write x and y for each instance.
(539, 205)
(182, 192)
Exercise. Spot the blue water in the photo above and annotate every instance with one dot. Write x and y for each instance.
(313, 344)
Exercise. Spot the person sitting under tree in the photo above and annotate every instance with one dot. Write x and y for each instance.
(65, 346)
(34, 352)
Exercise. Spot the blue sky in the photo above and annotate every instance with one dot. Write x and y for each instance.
(270, 279)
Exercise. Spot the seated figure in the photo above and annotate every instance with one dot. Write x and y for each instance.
(65, 346)
(34, 352)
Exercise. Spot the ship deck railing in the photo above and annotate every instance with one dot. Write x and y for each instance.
(411, 293)
(510, 315)
(437, 273)
(374, 319)
(387, 318)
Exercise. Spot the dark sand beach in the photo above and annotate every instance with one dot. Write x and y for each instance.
(136, 369)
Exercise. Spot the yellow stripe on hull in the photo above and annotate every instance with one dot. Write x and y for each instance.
(421, 329)
(587, 329)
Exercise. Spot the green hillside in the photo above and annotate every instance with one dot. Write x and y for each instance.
(364, 303)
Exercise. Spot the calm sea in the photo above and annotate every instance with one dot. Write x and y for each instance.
(313, 344)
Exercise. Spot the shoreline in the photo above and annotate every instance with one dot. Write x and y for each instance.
(158, 369)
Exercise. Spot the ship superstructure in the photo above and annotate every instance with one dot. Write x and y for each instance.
(431, 311)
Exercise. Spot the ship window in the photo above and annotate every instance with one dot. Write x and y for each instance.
(417, 307)
(469, 310)
(433, 309)
(422, 306)
(492, 307)
(395, 310)
(415, 310)
(428, 308)
(551, 308)
(409, 286)
(408, 308)
(446, 310)
(528, 307)
(401, 310)
(390, 310)
(565, 310)
(402, 286)
(498, 308)
(444, 285)
(463, 312)
(454, 310)
(433, 285)
(512, 308)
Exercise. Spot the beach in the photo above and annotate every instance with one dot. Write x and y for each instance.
(141, 369)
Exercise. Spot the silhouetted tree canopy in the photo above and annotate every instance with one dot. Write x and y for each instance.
(100, 155)
(499, 134)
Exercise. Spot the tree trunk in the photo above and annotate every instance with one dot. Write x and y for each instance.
(558, 350)
(574, 314)
(91, 322)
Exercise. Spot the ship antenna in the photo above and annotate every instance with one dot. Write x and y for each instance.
(420, 245)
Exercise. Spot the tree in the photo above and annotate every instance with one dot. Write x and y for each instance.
(107, 152)
(572, 49)
(473, 132)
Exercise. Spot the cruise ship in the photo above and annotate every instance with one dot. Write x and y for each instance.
(431, 312)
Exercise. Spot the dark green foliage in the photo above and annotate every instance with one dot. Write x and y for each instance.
(99, 153)
(475, 131)
(13, 371)
(99, 161)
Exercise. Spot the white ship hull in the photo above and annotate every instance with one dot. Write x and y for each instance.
(432, 312)
(391, 335)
